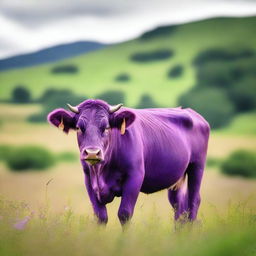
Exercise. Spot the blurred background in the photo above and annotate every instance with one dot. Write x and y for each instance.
(197, 54)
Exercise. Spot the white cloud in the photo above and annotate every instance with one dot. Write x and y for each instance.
(34, 24)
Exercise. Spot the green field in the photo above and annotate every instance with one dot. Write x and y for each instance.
(99, 69)
(59, 215)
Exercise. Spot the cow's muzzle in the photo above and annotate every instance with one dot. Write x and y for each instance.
(93, 156)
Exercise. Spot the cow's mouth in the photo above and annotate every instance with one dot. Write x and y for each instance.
(92, 161)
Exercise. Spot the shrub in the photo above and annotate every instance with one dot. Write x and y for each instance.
(124, 77)
(112, 97)
(243, 94)
(241, 163)
(221, 55)
(29, 157)
(156, 55)
(214, 74)
(175, 71)
(146, 101)
(66, 69)
(38, 117)
(159, 32)
(212, 161)
(21, 95)
(211, 103)
(67, 157)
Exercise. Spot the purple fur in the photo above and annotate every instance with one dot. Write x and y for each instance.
(159, 147)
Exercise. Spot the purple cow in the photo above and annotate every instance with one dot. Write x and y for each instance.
(125, 151)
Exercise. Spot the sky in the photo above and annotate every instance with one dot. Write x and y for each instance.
(30, 25)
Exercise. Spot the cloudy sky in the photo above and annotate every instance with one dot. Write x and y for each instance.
(29, 25)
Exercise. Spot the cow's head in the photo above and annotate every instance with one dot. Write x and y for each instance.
(94, 121)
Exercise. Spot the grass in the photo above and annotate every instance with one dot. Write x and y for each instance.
(68, 233)
(99, 69)
(60, 219)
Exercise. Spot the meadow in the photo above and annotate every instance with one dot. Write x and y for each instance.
(49, 213)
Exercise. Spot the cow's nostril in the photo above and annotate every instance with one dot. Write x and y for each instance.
(92, 151)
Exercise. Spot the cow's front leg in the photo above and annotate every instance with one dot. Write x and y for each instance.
(100, 210)
(130, 192)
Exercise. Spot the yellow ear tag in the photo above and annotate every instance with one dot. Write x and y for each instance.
(61, 125)
(123, 126)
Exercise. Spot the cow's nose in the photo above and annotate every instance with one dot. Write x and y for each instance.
(93, 155)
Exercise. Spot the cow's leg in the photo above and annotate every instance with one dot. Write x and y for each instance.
(100, 210)
(130, 192)
(178, 199)
(195, 174)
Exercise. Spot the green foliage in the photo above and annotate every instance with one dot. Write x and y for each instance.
(244, 94)
(211, 55)
(29, 157)
(156, 55)
(175, 71)
(146, 101)
(164, 31)
(65, 69)
(67, 157)
(123, 77)
(211, 103)
(240, 163)
(213, 162)
(112, 97)
(21, 94)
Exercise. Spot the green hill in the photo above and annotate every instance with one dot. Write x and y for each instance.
(98, 70)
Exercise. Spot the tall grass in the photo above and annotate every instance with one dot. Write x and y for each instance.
(67, 233)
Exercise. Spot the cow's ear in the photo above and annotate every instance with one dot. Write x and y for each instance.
(62, 119)
(122, 120)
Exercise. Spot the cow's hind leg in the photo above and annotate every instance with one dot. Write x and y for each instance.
(195, 174)
(178, 198)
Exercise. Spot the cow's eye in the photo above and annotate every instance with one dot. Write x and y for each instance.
(106, 131)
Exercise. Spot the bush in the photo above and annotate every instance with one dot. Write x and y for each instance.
(211, 103)
(241, 163)
(112, 97)
(124, 77)
(67, 157)
(66, 69)
(243, 94)
(156, 55)
(175, 71)
(38, 117)
(29, 157)
(215, 74)
(21, 95)
(159, 32)
(213, 162)
(221, 55)
(146, 101)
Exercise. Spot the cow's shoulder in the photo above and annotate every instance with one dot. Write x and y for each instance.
(181, 118)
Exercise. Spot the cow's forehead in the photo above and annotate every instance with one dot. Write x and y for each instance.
(94, 115)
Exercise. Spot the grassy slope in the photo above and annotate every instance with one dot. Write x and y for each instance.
(98, 69)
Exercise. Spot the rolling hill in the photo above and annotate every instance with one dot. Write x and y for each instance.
(51, 54)
(98, 70)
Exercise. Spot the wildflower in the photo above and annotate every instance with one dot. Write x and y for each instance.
(21, 224)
